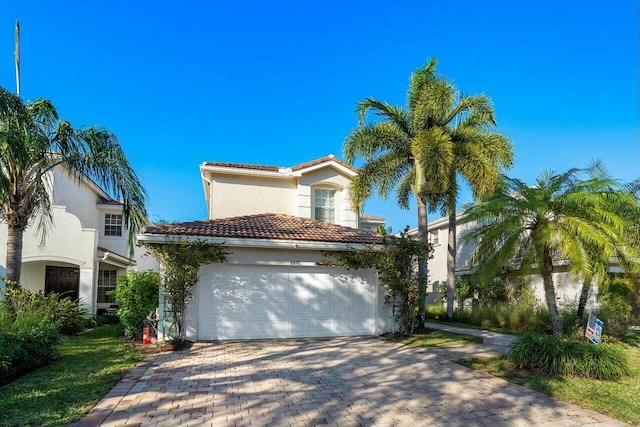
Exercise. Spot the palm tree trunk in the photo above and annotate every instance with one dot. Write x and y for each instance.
(582, 303)
(550, 293)
(14, 255)
(451, 265)
(422, 262)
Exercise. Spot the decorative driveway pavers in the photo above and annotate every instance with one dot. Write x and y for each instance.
(338, 382)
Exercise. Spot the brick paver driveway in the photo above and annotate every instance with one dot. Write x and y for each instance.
(345, 382)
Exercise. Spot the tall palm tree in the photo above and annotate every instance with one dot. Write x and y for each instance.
(390, 162)
(478, 154)
(421, 149)
(411, 149)
(559, 219)
(33, 141)
(625, 253)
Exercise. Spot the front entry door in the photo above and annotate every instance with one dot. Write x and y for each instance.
(63, 280)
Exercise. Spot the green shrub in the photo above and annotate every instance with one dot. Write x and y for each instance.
(28, 337)
(437, 311)
(106, 319)
(136, 295)
(550, 355)
(616, 310)
(70, 318)
(515, 317)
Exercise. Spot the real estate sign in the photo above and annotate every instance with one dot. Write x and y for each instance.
(594, 329)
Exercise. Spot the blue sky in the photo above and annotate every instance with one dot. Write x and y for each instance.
(276, 82)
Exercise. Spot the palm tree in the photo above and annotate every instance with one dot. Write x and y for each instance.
(478, 156)
(420, 150)
(33, 141)
(559, 219)
(625, 254)
(411, 149)
(390, 162)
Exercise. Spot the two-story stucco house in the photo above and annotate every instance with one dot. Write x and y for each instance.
(278, 222)
(86, 247)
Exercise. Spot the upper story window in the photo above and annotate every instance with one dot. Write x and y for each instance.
(113, 225)
(324, 205)
(433, 237)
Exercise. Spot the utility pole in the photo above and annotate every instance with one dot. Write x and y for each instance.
(17, 57)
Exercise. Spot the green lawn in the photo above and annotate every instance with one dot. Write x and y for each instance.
(618, 399)
(437, 338)
(62, 392)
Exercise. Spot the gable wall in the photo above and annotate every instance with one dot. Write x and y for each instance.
(233, 195)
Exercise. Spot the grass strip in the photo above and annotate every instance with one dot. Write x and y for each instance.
(62, 392)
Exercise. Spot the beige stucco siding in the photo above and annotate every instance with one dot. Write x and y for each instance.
(237, 196)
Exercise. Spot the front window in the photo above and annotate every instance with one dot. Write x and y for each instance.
(113, 225)
(433, 237)
(324, 204)
(106, 282)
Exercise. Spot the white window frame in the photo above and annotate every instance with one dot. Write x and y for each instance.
(434, 237)
(112, 277)
(322, 195)
(113, 223)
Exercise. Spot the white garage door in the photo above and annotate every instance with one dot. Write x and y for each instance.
(253, 301)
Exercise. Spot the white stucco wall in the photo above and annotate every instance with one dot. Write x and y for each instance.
(237, 196)
(331, 179)
(76, 197)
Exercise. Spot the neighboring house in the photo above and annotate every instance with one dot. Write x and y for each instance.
(567, 287)
(278, 223)
(86, 246)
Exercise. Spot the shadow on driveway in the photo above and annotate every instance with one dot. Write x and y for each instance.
(345, 382)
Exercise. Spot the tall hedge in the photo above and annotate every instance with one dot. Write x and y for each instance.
(136, 295)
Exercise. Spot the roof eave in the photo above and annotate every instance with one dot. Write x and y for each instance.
(255, 243)
(281, 174)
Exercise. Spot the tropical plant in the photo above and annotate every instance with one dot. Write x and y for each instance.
(395, 263)
(527, 229)
(136, 295)
(420, 150)
(551, 355)
(180, 261)
(34, 141)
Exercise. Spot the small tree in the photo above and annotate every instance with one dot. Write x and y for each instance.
(396, 264)
(137, 296)
(180, 262)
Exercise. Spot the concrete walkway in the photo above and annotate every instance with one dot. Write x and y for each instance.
(337, 382)
(490, 338)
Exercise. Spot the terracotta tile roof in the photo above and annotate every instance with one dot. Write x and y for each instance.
(270, 227)
(244, 166)
(322, 160)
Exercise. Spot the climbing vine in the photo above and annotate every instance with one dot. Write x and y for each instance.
(396, 263)
(180, 262)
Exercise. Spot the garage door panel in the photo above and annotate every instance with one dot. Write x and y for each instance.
(252, 301)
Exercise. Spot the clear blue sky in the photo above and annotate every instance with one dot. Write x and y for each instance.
(276, 83)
